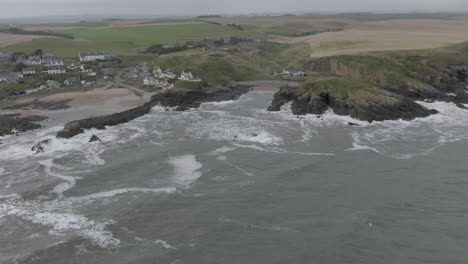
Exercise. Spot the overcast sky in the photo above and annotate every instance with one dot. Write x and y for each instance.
(26, 8)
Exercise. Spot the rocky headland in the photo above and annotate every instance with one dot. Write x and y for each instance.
(383, 85)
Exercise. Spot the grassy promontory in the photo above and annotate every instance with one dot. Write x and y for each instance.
(382, 85)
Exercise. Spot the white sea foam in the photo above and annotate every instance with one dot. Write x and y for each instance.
(421, 136)
(61, 222)
(282, 151)
(69, 181)
(186, 169)
(222, 150)
(115, 192)
(164, 244)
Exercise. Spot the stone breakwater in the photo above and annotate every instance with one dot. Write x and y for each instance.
(183, 100)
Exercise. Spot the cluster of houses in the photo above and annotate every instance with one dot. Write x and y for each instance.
(54, 65)
(290, 73)
(157, 77)
(161, 78)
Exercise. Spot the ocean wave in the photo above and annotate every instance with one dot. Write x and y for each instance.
(407, 139)
(60, 222)
(186, 169)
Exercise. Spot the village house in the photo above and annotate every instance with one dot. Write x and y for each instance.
(87, 83)
(150, 81)
(86, 68)
(10, 77)
(167, 74)
(188, 76)
(157, 83)
(33, 60)
(164, 85)
(56, 70)
(46, 58)
(29, 71)
(293, 73)
(6, 57)
(55, 62)
(157, 71)
(72, 66)
(72, 80)
(93, 56)
(20, 59)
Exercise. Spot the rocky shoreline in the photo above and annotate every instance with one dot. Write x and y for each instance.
(11, 123)
(370, 111)
(378, 88)
(183, 100)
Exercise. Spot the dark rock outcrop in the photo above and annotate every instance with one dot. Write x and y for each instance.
(392, 108)
(94, 138)
(12, 122)
(185, 100)
(39, 147)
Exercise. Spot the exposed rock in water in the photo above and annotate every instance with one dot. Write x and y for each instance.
(94, 138)
(39, 147)
(462, 106)
(352, 124)
(14, 122)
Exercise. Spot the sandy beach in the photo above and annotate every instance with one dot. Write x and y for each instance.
(72, 105)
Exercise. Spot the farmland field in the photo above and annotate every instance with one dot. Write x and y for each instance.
(134, 40)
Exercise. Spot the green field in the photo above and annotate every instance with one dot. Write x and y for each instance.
(129, 41)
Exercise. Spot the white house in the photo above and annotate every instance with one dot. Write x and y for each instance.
(188, 76)
(167, 74)
(72, 80)
(86, 68)
(157, 71)
(29, 71)
(92, 56)
(298, 73)
(150, 81)
(292, 73)
(33, 60)
(56, 62)
(56, 70)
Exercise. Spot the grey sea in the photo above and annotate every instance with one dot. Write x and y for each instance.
(232, 183)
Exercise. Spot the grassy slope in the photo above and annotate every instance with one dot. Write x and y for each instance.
(356, 92)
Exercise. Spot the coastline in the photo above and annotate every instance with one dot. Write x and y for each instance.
(62, 107)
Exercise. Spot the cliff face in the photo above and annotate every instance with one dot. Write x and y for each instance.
(418, 79)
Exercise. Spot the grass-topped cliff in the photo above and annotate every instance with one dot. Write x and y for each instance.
(347, 97)
(382, 85)
(417, 73)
